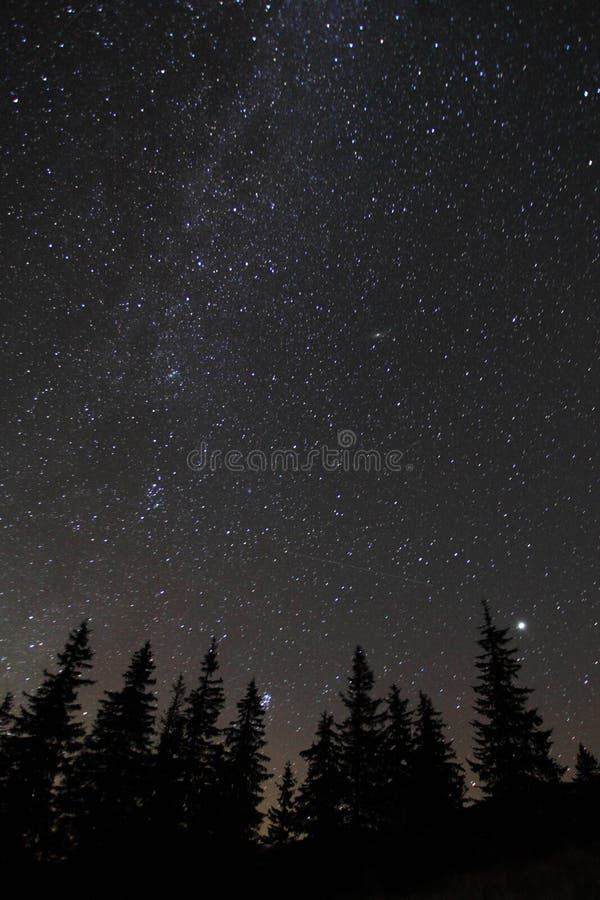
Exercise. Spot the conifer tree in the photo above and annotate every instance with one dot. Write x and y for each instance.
(244, 768)
(172, 726)
(44, 738)
(512, 750)
(203, 747)
(282, 816)
(112, 783)
(320, 796)
(360, 740)
(397, 751)
(6, 714)
(170, 768)
(7, 720)
(587, 767)
(439, 779)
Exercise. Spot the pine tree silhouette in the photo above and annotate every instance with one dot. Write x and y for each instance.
(397, 752)
(6, 714)
(587, 767)
(7, 721)
(43, 740)
(360, 742)
(512, 751)
(172, 726)
(244, 769)
(110, 791)
(170, 768)
(320, 796)
(587, 793)
(439, 779)
(282, 817)
(203, 748)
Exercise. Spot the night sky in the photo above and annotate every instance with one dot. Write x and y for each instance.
(260, 225)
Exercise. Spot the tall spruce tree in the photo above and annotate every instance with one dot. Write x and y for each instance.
(110, 792)
(360, 742)
(397, 751)
(282, 816)
(320, 797)
(203, 746)
(43, 740)
(587, 767)
(439, 779)
(6, 714)
(512, 750)
(173, 723)
(244, 770)
(7, 720)
(170, 767)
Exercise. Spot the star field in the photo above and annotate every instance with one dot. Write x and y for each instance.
(256, 225)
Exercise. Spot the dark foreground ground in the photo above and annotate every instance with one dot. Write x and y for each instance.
(548, 849)
(566, 872)
(571, 873)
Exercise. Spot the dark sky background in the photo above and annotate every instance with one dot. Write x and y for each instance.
(260, 224)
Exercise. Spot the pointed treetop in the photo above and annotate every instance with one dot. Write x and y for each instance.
(487, 616)
(282, 816)
(587, 767)
(141, 667)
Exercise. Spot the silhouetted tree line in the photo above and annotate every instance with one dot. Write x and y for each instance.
(134, 788)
